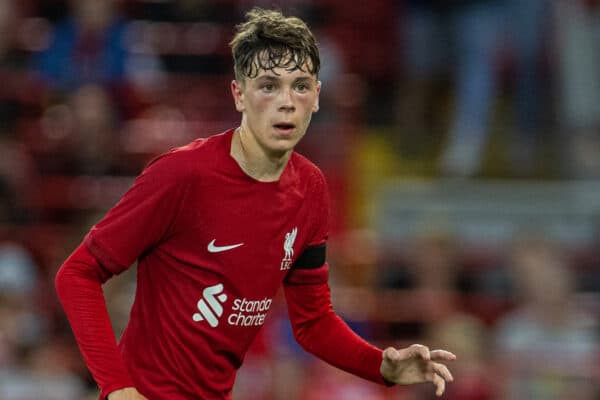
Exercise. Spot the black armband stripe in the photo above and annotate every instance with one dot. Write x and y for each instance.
(313, 257)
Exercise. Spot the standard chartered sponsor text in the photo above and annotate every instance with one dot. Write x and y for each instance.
(249, 312)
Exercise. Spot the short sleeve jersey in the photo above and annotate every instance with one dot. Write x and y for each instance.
(213, 246)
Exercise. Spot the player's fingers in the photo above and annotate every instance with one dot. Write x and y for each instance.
(440, 384)
(442, 355)
(391, 354)
(415, 350)
(418, 350)
(443, 371)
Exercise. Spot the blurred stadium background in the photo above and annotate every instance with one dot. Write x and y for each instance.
(461, 141)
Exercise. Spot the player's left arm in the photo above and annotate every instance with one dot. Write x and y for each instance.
(320, 331)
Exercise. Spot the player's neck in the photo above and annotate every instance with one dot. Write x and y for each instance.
(254, 160)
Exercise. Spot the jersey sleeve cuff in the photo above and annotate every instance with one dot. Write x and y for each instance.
(375, 359)
(108, 389)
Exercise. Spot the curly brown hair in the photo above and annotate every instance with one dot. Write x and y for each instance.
(269, 40)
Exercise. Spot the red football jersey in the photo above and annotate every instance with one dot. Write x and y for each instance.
(213, 246)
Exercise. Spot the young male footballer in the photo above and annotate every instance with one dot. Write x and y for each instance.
(217, 226)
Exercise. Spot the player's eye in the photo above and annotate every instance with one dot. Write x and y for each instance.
(302, 87)
(268, 87)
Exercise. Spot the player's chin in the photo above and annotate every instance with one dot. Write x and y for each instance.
(279, 150)
(285, 143)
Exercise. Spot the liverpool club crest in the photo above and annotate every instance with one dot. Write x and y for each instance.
(288, 248)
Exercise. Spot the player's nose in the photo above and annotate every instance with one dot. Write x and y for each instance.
(286, 100)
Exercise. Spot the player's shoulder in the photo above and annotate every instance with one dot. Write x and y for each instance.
(308, 170)
(202, 147)
(190, 159)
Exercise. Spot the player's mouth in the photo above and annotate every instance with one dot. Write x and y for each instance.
(284, 128)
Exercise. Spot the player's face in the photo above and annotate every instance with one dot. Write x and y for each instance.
(277, 107)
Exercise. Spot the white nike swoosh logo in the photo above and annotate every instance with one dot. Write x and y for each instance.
(217, 249)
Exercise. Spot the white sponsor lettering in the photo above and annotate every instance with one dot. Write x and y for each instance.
(245, 312)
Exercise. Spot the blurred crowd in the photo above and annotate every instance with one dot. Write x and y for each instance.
(466, 89)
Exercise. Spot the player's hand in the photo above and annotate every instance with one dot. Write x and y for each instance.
(126, 394)
(416, 364)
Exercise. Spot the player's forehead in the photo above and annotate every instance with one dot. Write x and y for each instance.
(282, 74)
(280, 63)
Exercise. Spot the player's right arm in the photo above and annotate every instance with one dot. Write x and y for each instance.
(132, 227)
(79, 288)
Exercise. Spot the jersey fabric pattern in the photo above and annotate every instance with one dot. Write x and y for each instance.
(195, 221)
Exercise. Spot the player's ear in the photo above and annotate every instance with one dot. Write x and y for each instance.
(238, 95)
(316, 105)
